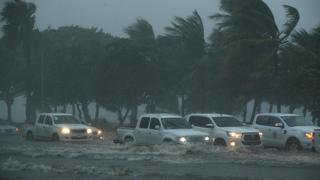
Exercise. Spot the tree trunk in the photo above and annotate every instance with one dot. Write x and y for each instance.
(85, 111)
(279, 107)
(254, 110)
(270, 107)
(55, 108)
(121, 117)
(9, 111)
(79, 111)
(259, 106)
(245, 108)
(73, 109)
(134, 113)
(182, 105)
(64, 109)
(96, 116)
(304, 111)
(291, 108)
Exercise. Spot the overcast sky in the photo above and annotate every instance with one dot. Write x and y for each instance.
(113, 15)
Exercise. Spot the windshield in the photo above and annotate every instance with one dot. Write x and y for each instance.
(227, 122)
(65, 120)
(175, 123)
(296, 121)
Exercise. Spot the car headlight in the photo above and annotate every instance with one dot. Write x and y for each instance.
(183, 139)
(308, 135)
(89, 131)
(234, 134)
(65, 131)
(99, 132)
(260, 134)
(206, 138)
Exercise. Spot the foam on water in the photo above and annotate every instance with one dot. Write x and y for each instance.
(163, 153)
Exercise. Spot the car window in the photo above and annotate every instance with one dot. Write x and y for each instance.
(199, 121)
(262, 120)
(154, 122)
(41, 119)
(48, 120)
(227, 121)
(144, 123)
(274, 120)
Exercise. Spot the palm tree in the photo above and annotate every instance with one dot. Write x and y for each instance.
(19, 19)
(142, 35)
(189, 35)
(251, 22)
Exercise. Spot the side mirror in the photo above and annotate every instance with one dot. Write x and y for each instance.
(209, 125)
(280, 125)
(157, 127)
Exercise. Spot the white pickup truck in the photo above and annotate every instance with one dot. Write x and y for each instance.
(290, 131)
(225, 130)
(58, 127)
(160, 128)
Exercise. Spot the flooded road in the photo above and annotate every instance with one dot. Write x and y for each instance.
(101, 159)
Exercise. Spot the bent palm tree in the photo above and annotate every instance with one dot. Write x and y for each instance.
(19, 19)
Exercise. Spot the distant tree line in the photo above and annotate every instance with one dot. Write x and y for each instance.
(247, 57)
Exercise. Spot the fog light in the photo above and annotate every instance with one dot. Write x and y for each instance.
(65, 131)
(183, 139)
(89, 131)
(206, 138)
(232, 144)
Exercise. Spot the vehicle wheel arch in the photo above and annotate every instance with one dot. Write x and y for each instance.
(292, 138)
(55, 137)
(220, 141)
(126, 137)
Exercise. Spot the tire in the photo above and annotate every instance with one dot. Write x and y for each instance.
(55, 138)
(128, 140)
(29, 136)
(220, 142)
(293, 145)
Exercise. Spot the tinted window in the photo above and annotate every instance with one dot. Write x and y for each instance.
(263, 120)
(41, 119)
(154, 123)
(296, 121)
(273, 121)
(227, 122)
(175, 123)
(199, 121)
(65, 120)
(144, 122)
(48, 120)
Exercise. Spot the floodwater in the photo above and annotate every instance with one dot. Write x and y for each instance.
(102, 159)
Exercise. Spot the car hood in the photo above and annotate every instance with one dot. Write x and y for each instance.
(305, 128)
(7, 127)
(185, 132)
(72, 126)
(241, 129)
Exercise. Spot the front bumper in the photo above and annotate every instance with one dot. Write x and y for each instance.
(307, 144)
(75, 137)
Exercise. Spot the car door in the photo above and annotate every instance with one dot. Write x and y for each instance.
(47, 130)
(278, 134)
(201, 123)
(262, 123)
(141, 133)
(39, 126)
(154, 134)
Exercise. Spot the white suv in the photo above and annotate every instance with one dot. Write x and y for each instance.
(290, 131)
(225, 129)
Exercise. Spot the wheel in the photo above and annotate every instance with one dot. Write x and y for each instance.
(55, 137)
(220, 142)
(128, 140)
(293, 145)
(29, 136)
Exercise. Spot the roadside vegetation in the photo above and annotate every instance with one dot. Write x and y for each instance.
(246, 57)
